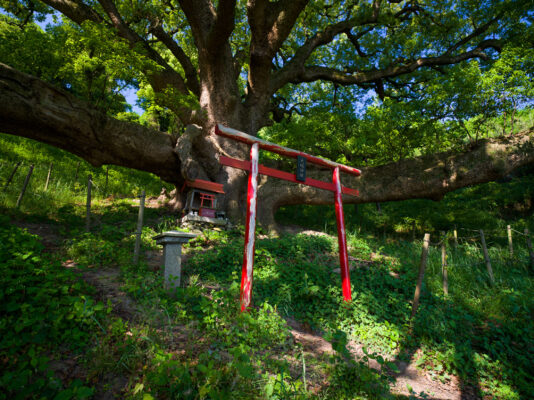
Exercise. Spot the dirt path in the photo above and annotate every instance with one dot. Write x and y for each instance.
(107, 283)
(408, 377)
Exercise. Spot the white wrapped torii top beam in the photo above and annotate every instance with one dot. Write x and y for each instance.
(234, 134)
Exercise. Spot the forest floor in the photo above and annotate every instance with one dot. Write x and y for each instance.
(108, 285)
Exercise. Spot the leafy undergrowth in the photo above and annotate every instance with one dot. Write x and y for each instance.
(195, 344)
(192, 344)
(482, 334)
(46, 312)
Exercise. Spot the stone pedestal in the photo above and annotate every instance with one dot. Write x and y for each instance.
(172, 255)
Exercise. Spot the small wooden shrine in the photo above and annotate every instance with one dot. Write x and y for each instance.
(201, 202)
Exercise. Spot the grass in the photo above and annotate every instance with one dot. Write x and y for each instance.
(68, 184)
(196, 344)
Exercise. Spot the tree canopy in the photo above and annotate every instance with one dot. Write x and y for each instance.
(361, 82)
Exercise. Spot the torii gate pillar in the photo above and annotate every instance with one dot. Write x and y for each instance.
(254, 169)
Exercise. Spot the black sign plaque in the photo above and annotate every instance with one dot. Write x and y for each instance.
(301, 169)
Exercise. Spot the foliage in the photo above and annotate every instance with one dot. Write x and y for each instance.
(44, 307)
(474, 333)
(68, 181)
(195, 343)
(490, 206)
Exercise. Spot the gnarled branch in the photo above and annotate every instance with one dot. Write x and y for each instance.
(189, 69)
(223, 26)
(34, 109)
(314, 73)
(429, 176)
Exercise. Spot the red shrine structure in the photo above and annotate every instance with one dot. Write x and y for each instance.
(201, 201)
(255, 168)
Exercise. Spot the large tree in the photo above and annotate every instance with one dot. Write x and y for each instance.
(247, 65)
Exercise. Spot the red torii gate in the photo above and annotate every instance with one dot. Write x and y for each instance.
(300, 177)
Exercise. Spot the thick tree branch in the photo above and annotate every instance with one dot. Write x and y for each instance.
(303, 53)
(159, 80)
(477, 32)
(285, 13)
(133, 38)
(223, 26)
(76, 11)
(314, 73)
(270, 24)
(429, 177)
(201, 16)
(34, 109)
(189, 69)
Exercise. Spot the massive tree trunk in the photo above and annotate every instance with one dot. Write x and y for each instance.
(37, 110)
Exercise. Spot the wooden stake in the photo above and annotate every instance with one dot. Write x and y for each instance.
(24, 186)
(106, 185)
(422, 267)
(76, 175)
(510, 244)
(529, 245)
(12, 175)
(139, 228)
(455, 237)
(88, 204)
(48, 176)
(444, 264)
(486, 257)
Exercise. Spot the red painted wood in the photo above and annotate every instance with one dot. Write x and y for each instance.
(275, 173)
(342, 240)
(250, 229)
(208, 198)
(205, 185)
(230, 133)
(207, 212)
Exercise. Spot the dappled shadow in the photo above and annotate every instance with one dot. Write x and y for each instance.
(295, 274)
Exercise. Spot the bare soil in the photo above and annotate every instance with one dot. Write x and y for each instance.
(107, 283)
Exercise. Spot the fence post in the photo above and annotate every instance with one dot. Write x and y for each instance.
(48, 176)
(455, 237)
(486, 257)
(422, 267)
(88, 204)
(12, 175)
(139, 228)
(510, 244)
(76, 175)
(26, 181)
(529, 245)
(106, 185)
(444, 263)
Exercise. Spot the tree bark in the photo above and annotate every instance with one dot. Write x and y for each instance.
(36, 110)
(428, 177)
